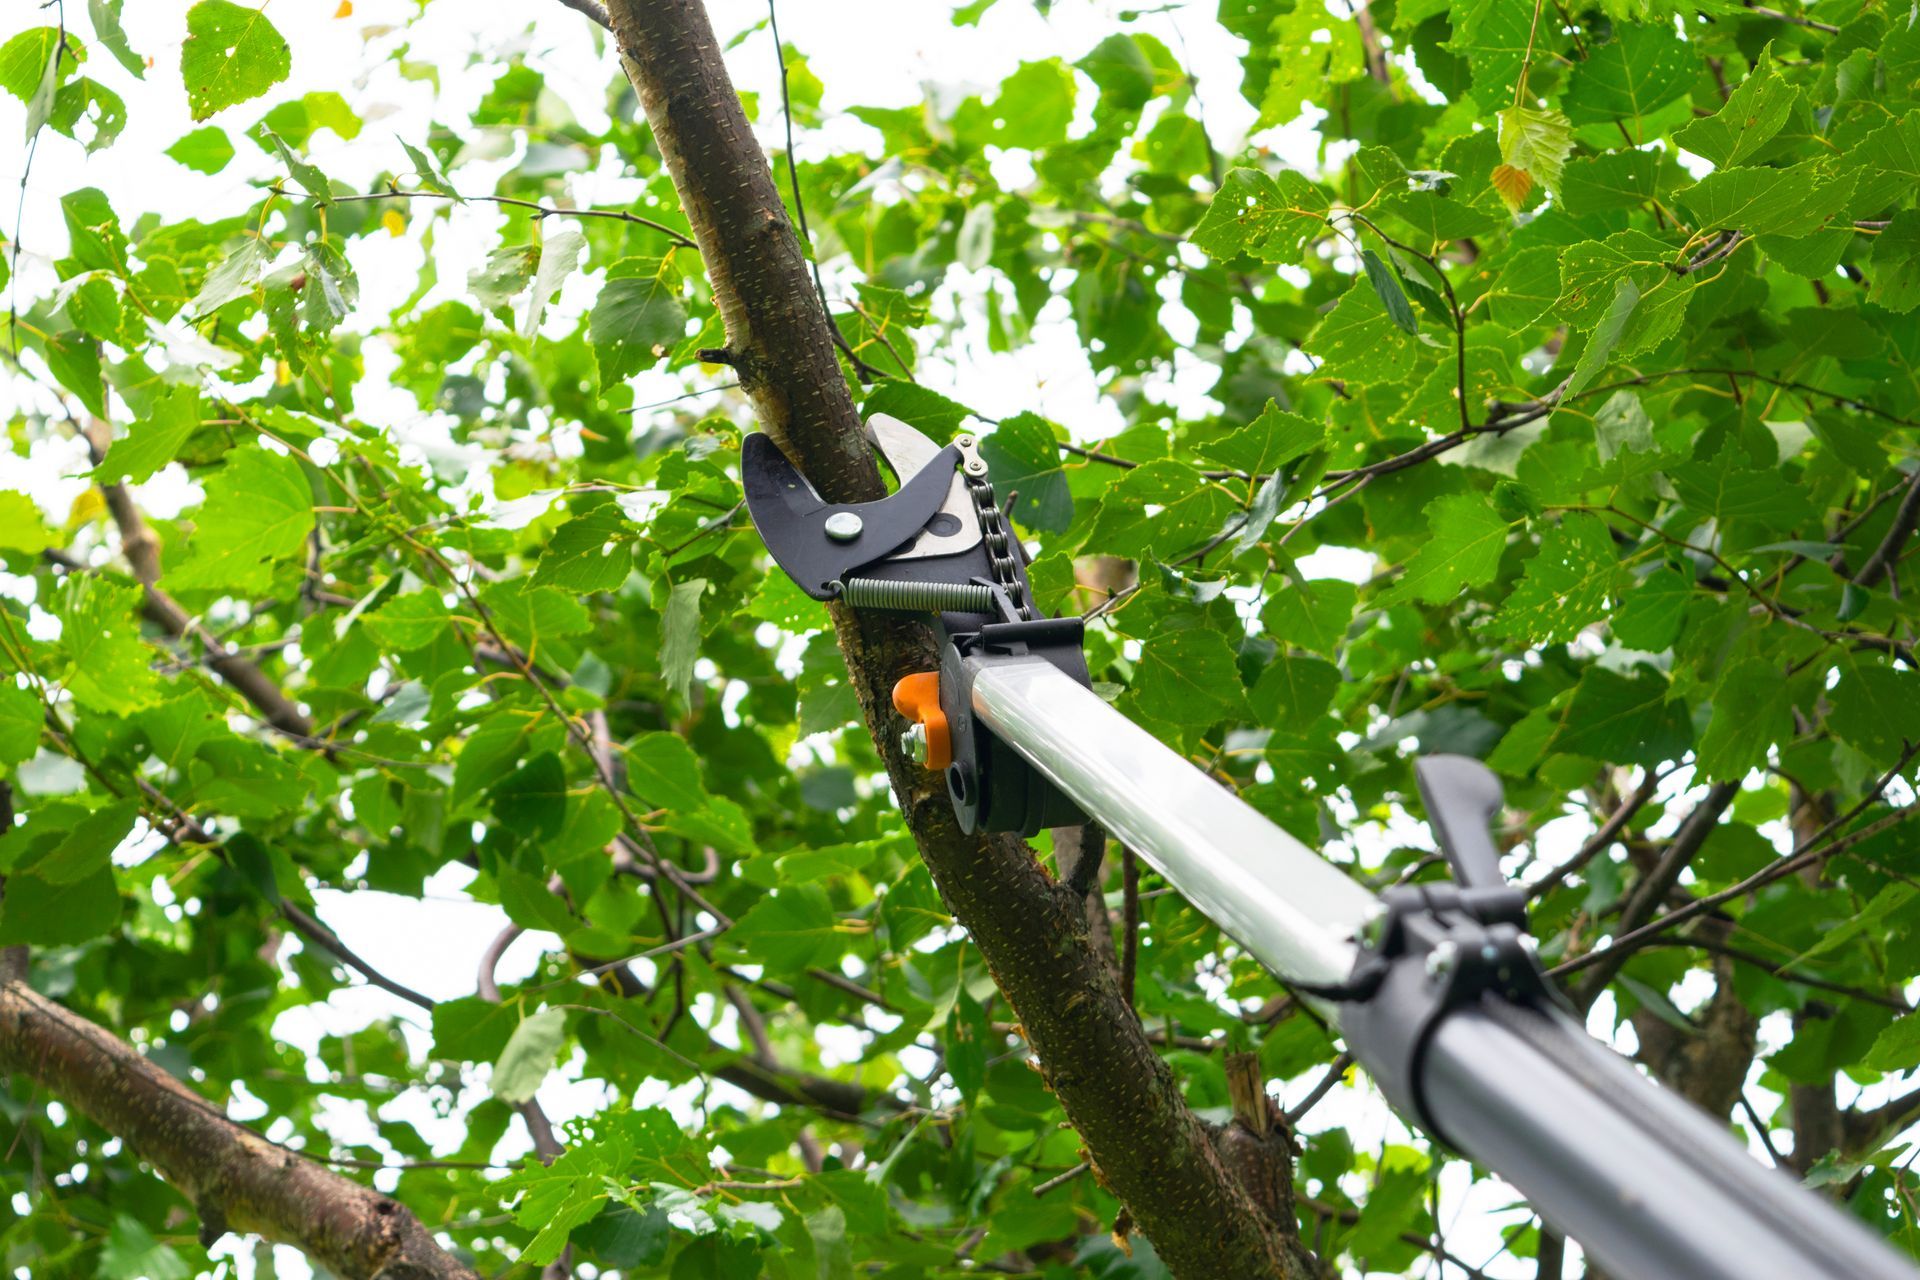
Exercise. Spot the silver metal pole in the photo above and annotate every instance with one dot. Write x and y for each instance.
(1649, 1186)
(1285, 903)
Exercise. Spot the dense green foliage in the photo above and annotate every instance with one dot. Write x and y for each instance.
(1628, 445)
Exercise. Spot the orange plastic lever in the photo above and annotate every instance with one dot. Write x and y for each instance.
(917, 697)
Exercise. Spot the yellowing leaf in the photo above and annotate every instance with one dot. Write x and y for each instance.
(1533, 148)
(345, 10)
(1513, 184)
(393, 222)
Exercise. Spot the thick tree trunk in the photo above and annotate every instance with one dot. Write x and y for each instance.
(1147, 1144)
(237, 1180)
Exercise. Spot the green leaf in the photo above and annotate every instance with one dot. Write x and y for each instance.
(1260, 513)
(681, 631)
(663, 771)
(1610, 180)
(591, 552)
(1493, 37)
(1753, 113)
(87, 847)
(926, 411)
(37, 912)
(532, 802)
(529, 1055)
(1121, 71)
(21, 527)
(1631, 76)
(1534, 146)
(1293, 692)
(231, 54)
(1752, 710)
(1591, 274)
(1728, 487)
(1875, 708)
(1897, 1047)
(1358, 342)
(1035, 105)
(1188, 678)
(1272, 217)
(1784, 202)
(1896, 262)
(21, 716)
(1191, 509)
(154, 440)
(1527, 287)
(1650, 618)
(311, 180)
(113, 37)
(1465, 539)
(1623, 719)
(637, 318)
(1564, 588)
(969, 1038)
(236, 275)
(100, 630)
(131, 1253)
(259, 511)
(299, 120)
(1023, 459)
(74, 359)
(25, 60)
(470, 1029)
(1886, 163)
(407, 622)
(1313, 615)
(1606, 335)
(1392, 296)
(791, 930)
(559, 255)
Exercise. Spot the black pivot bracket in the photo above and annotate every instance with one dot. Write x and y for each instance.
(1439, 947)
(940, 546)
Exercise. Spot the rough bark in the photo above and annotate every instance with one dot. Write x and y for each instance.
(1033, 932)
(236, 1179)
(1708, 1065)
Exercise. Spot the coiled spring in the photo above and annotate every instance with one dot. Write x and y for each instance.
(917, 597)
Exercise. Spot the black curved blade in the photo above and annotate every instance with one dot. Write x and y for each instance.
(792, 518)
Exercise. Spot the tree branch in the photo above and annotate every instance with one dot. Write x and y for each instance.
(1653, 887)
(1153, 1151)
(1887, 554)
(592, 9)
(236, 1179)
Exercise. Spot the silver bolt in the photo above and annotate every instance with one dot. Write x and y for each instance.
(844, 526)
(913, 743)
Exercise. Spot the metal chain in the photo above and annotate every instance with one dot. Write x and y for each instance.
(994, 529)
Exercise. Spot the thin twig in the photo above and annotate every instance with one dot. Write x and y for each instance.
(1605, 836)
(1806, 854)
(1760, 1130)
(539, 210)
(1060, 1179)
(1335, 1073)
(592, 9)
(1795, 19)
(1887, 554)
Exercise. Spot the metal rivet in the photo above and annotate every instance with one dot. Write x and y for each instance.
(844, 526)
